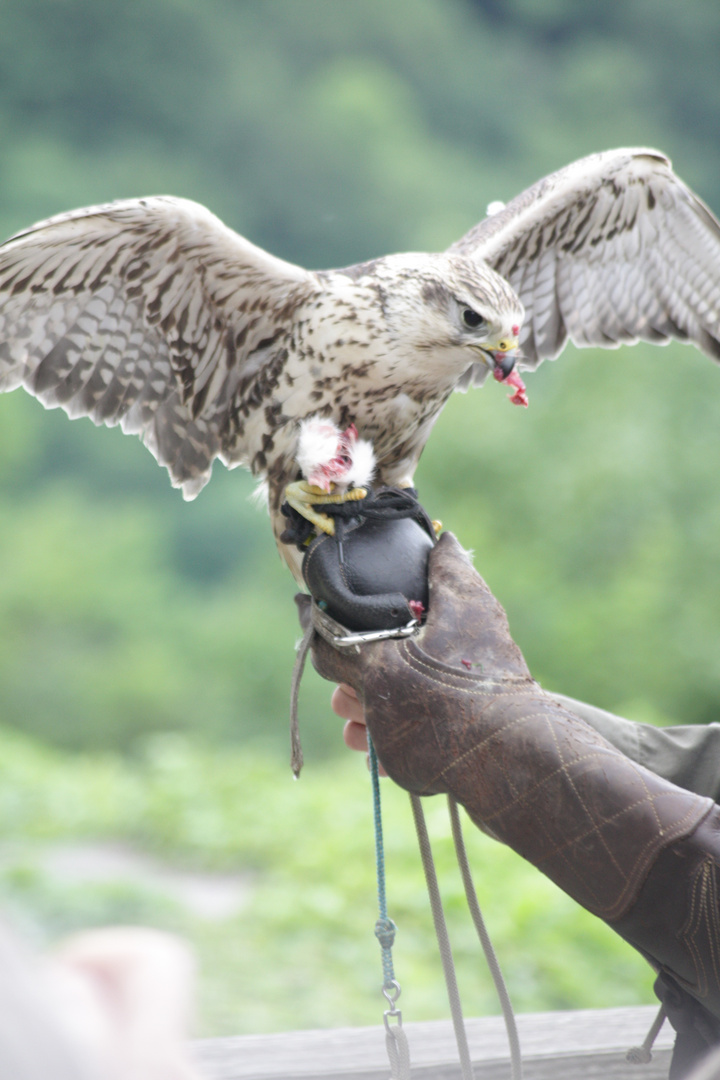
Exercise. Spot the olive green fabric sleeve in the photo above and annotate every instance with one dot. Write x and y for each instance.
(688, 756)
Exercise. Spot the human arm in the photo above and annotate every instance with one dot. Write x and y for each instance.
(455, 709)
(686, 755)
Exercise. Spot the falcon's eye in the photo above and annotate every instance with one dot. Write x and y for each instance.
(472, 319)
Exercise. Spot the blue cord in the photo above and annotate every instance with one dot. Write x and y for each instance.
(384, 927)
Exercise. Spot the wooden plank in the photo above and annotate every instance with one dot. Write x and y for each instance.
(591, 1044)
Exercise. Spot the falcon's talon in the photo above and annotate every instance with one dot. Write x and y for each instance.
(353, 495)
(437, 526)
(303, 497)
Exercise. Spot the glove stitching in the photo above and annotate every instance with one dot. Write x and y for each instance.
(425, 664)
(596, 826)
(419, 664)
(439, 665)
(702, 916)
(564, 851)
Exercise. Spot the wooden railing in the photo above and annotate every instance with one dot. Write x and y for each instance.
(587, 1045)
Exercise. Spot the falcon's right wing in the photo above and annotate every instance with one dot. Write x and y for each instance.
(149, 313)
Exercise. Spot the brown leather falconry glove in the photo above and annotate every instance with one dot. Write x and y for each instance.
(454, 709)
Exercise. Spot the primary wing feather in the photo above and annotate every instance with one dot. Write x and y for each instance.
(150, 314)
(613, 249)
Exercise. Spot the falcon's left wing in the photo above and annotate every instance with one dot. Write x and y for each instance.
(612, 249)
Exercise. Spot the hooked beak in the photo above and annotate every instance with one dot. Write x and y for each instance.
(504, 363)
(501, 357)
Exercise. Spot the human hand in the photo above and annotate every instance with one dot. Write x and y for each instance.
(110, 1002)
(125, 996)
(346, 704)
(403, 687)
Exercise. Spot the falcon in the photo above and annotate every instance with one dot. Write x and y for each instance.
(152, 314)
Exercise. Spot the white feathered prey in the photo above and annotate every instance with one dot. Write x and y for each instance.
(330, 459)
(152, 314)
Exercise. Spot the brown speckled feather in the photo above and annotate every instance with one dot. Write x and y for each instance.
(610, 250)
(152, 314)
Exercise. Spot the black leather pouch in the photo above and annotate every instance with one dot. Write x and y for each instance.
(372, 574)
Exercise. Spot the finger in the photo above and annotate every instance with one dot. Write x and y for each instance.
(346, 705)
(355, 735)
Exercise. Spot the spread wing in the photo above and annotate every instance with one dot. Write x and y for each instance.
(610, 250)
(150, 314)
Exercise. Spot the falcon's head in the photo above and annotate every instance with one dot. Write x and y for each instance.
(456, 310)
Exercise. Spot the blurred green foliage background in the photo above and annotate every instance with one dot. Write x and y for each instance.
(330, 133)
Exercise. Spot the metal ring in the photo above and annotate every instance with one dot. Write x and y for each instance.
(391, 992)
(346, 641)
(386, 1019)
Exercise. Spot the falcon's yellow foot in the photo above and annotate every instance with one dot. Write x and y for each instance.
(303, 497)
